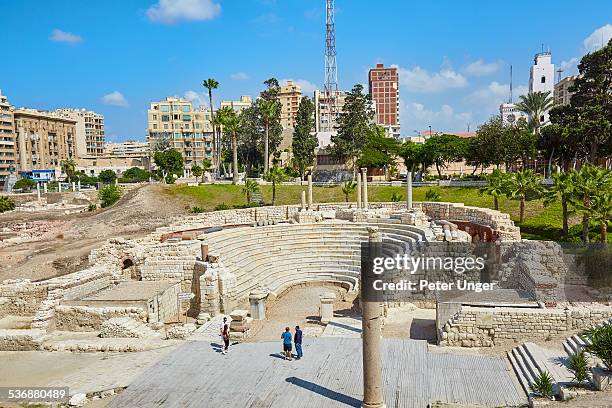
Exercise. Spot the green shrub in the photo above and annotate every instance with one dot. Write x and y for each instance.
(543, 385)
(432, 195)
(222, 206)
(6, 204)
(601, 343)
(135, 175)
(92, 207)
(109, 195)
(396, 198)
(24, 184)
(578, 364)
(197, 210)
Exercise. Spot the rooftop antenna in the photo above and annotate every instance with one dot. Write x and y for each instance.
(330, 88)
(510, 99)
(559, 72)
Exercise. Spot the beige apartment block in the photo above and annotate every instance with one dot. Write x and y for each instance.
(188, 130)
(244, 102)
(127, 148)
(44, 139)
(289, 97)
(562, 93)
(89, 131)
(327, 110)
(7, 139)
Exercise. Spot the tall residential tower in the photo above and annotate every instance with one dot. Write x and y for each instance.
(384, 90)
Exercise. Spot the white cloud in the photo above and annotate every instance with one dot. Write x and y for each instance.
(494, 95)
(240, 76)
(174, 11)
(115, 98)
(444, 119)
(198, 99)
(308, 87)
(566, 65)
(481, 68)
(418, 79)
(599, 37)
(58, 35)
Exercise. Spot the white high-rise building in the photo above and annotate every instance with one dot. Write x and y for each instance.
(542, 78)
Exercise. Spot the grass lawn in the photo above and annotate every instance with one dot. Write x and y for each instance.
(540, 222)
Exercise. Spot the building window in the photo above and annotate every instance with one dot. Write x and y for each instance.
(165, 118)
(164, 108)
(186, 108)
(543, 79)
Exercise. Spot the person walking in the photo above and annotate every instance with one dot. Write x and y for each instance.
(286, 336)
(225, 335)
(297, 339)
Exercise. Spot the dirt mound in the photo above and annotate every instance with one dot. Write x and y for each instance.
(64, 247)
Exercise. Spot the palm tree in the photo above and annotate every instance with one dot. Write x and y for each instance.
(69, 168)
(206, 165)
(497, 186)
(590, 182)
(523, 185)
(231, 125)
(348, 188)
(250, 187)
(276, 176)
(535, 104)
(211, 84)
(197, 172)
(564, 189)
(269, 109)
(600, 211)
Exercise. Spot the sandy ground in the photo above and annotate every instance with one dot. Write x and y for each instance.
(65, 246)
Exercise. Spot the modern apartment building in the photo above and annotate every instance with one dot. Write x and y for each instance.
(384, 89)
(562, 92)
(325, 123)
(244, 102)
(289, 96)
(7, 139)
(89, 131)
(44, 140)
(129, 147)
(188, 130)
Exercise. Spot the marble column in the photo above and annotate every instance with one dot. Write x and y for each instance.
(38, 191)
(73, 186)
(303, 200)
(409, 190)
(310, 191)
(45, 188)
(79, 185)
(359, 204)
(371, 328)
(364, 172)
(59, 186)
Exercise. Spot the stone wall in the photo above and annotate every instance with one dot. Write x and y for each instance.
(165, 305)
(21, 340)
(486, 327)
(21, 298)
(83, 318)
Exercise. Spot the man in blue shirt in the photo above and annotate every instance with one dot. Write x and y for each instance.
(297, 339)
(286, 336)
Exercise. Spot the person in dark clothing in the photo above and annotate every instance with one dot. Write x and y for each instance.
(297, 339)
(225, 335)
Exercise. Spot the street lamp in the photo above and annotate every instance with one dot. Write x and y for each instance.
(430, 134)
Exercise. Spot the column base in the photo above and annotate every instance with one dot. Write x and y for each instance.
(376, 405)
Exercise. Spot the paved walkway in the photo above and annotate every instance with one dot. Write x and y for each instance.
(254, 375)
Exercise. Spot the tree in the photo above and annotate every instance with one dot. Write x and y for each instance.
(380, 150)
(269, 112)
(348, 188)
(211, 84)
(135, 174)
(497, 183)
(68, 168)
(589, 183)
(109, 195)
(206, 166)
(443, 149)
(24, 184)
(304, 139)
(107, 176)
(231, 125)
(523, 185)
(169, 163)
(250, 138)
(353, 127)
(413, 155)
(563, 188)
(196, 171)
(600, 211)
(535, 104)
(250, 187)
(485, 148)
(6, 204)
(276, 176)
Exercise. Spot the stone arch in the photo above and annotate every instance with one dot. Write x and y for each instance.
(128, 266)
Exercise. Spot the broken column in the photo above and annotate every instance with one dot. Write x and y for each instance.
(409, 190)
(79, 185)
(310, 191)
(358, 190)
(45, 188)
(371, 325)
(240, 324)
(38, 191)
(364, 172)
(257, 303)
(73, 186)
(59, 186)
(204, 252)
(303, 200)
(326, 309)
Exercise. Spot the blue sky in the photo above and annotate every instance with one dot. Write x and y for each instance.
(117, 56)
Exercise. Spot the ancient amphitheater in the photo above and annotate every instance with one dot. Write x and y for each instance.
(136, 293)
